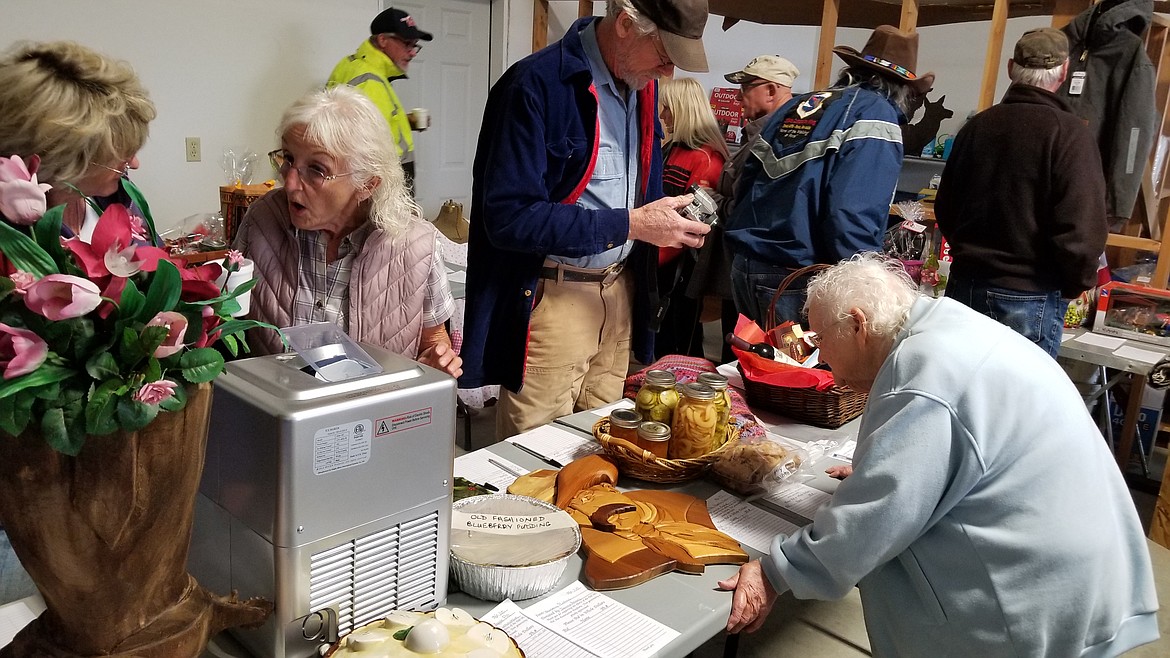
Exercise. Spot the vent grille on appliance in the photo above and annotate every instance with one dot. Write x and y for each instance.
(363, 579)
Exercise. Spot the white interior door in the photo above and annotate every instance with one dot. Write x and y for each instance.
(450, 79)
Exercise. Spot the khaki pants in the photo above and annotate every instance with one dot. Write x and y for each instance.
(578, 353)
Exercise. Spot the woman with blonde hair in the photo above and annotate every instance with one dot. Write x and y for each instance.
(694, 155)
(83, 115)
(342, 241)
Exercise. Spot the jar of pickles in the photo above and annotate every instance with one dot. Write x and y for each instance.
(722, 404)
(692, 432)
(657, 398)
(623, 424)
(655, 437)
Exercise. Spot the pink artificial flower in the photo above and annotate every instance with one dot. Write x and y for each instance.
(138, 230)
(62, 296)
(198, 282)
(22, 198)
(155, 392)
(176, 325)
(113, 235)
(235, 258)
(21, 351)
(23, 281)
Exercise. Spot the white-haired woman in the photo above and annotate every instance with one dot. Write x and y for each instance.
(977, 475)
(342, 241)
(693, 155)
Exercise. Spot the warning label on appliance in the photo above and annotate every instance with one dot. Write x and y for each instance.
(341, 446)
(403, 421)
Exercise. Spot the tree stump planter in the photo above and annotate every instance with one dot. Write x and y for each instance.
(105, 536)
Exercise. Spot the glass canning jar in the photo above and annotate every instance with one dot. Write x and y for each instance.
(657, 398)
(722, 404)
(623, 424)
(693, 429)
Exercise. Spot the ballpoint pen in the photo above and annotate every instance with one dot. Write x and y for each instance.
(551, 462)
(503, 468)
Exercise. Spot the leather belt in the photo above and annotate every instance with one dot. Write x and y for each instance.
(581, 276)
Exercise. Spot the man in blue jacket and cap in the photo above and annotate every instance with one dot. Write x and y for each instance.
(567, 212)
(818, 183)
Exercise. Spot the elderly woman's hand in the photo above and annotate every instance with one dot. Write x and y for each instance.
(435, 351)
(753, 599)
(442, 357)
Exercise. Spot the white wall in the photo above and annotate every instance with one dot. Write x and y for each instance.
(223, 71)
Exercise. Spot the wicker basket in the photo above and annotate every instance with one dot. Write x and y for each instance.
(830, 408)
(645, 465)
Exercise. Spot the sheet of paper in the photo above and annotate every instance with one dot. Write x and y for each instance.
(731, 372)
(600, 624)
(800, 499)
(475, 467)
(535, 640)
(1138, 354)
(457, 276)
(746, 523)
(1066, 336)
(556, 443)
(16, 615)
(1108, 342)
(624, 403)
(845, 452)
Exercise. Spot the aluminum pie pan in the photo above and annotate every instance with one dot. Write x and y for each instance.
(495, 582)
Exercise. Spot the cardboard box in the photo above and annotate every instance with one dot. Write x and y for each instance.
(1136, 312)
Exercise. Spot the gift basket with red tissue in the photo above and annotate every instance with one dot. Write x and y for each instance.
(791, 386)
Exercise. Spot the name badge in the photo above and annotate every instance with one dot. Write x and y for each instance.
(1077, 86)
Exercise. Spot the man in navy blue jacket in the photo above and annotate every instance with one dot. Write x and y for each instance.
(567, 214)
(818, 184)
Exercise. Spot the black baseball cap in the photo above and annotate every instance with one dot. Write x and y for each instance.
(396, 21)
(680, 26)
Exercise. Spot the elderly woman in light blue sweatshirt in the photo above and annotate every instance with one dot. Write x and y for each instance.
(984, 515)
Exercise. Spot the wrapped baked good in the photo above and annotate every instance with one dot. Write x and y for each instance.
(752, 468)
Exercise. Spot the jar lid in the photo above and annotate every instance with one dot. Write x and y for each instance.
(714, 380)
(625, 418)
(660, 377)
(696, 391)
(653, 430)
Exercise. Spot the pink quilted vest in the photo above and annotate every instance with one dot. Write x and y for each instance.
(386, 287)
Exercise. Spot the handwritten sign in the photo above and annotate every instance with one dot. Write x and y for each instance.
(510, 524)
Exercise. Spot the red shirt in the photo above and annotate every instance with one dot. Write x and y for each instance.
(684, 167)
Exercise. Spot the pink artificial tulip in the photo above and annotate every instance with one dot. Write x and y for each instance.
(155, 392)
(21, 351)
(176, 325)
(22, 198)
(62, 296)
(22, 280)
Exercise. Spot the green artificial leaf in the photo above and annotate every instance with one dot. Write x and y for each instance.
(148, 342)
(6, 287)
(177, 401)
(164, 290)
(133, 415)
(231, 344)
(46, 392)
(137, 199)
(201, 365)
(99, 411)
(8, 422)
(229, 307)
(47, 232)
(24, 252)
(57, 435)
(153, 371)
(132, 302)
(102, 366)
(46, 374)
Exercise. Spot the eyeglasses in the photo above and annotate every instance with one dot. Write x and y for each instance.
(746, 87)
(660, 49)
(814, 338)
(124, 171)
(412, 46)
(310, 174)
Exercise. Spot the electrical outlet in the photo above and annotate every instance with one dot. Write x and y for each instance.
(194, 151)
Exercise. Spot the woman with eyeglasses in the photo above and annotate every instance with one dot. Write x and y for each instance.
(83, 114)
(342, 241)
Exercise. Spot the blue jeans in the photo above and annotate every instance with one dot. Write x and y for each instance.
(753, 285)
(1037, 316)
